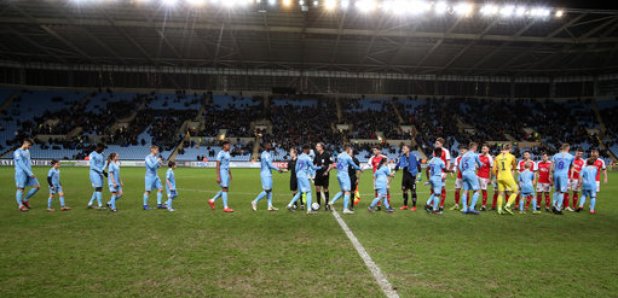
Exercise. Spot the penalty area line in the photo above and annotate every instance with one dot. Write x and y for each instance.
(379, 277)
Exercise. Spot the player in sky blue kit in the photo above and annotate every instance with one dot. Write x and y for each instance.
(588, 183)
(382, 176)
(304, 170)
(470, 161)
(170, 184)
(266, 176)
(24, 175)
(224, 177)
(152, 180)
(97, 171)
(113, 180)
(526, 181)
(55, 187)
(344, 162)
(435, 166)
(561, 165)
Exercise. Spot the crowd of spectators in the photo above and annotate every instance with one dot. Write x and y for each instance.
(459, 120)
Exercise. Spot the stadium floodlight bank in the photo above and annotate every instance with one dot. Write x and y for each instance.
(392, 7)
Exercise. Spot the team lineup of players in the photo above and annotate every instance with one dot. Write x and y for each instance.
(475, 172)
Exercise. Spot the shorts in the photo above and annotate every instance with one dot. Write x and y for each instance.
(436, 185)
(561, 183)
(483, 183)
(543, 187)
(321, 180)
(225, 178)
(382, 192)
(293, 183)
(22, 180)
(408, 181)
(344, 183)
(470, 182)
(458, 183)
(55, 190)
(507, 184)
(116, 189)
(172, 193)
(152, 182)
(589, 193)
(574, 184)
(303, 184)
(525, 194)
(267, 182)
(96, 179)
(598, 186)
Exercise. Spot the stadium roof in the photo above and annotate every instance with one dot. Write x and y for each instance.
(581, 42)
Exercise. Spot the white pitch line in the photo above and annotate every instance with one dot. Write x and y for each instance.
(386, 286)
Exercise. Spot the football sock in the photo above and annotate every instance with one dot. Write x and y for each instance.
(224, 198)
(326, 197)
(112, 202)
(500, 202)
(31, 193)
(405, 198)
(94, 196)
(575, 198)
(99, 198)
(308, 199)
(145, 199)
(436, 202)
(270, 199)
(511, 200)
(18, 197)
(475, 198)
(346, 201)
(464, 201)
(386, 203)
(260, 196)
(533, 204)
(159, 197)
(336, 197)
(374, 202)
(295, 198)
(565, 203)
(218, 195)
(593, 202)
(49, 202)
(61, 201)
(484, 197)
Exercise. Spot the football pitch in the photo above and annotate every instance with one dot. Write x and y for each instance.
(198, 252)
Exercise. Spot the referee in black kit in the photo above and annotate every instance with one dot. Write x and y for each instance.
(322, 158)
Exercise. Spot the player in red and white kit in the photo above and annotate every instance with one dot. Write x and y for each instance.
(521, 166)
(600, 164)
(543, 185)
(375, 161)
(484, 173)
(576, 168)
(459, 179)
(446, 158)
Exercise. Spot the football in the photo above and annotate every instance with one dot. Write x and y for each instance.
(315, 206)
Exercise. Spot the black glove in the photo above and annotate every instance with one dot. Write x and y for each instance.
(105, 174)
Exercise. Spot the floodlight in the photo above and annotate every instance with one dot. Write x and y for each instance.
(489, 10)
(330, 4)
(463, 9)
(507, 11)
(559, 13)
(345, 4)
(366, 5)
(169, 3)
(520, 11)
(440, 8)
(286, 3)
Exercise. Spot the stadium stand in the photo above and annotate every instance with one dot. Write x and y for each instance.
(71, 121)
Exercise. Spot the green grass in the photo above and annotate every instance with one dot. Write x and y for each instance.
(197, 252)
